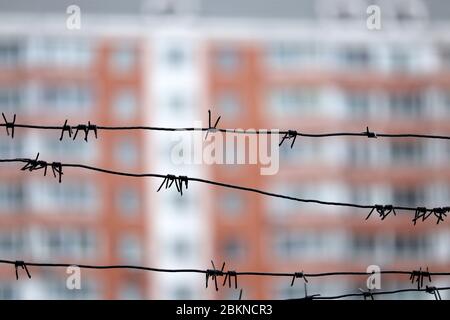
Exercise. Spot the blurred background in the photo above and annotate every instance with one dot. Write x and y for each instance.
(311, 66)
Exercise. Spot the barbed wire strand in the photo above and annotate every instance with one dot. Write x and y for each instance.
(417, 276)
(371, 294)
(287, 134)
(422, 213)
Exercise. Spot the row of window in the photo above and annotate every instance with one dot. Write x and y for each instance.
(234, 204)
(300, 56)
(67, 244)
(278, 54)
(50, 286)
(377, 248)
(73, 198)
(64, 52)
(66, 99)
(369, 154)
(300, 101)
(124, 152)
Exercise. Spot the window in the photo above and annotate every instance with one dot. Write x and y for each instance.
(355, 57)
(74, 197)
(309, 153)
(55, 288)
(11, 148)
(363, 245)
(409, 10)
(410, 197)
(288, 245)
(290, 55)
(12, 197)
(231, 203)
(125, 104)
(359, 154)
(401, 60)
(11, 99)
(70, 149)
(341, 9)
(361, 195)
(129, 249)
(177, 102)
(444, 55)
(62, 52)
(8, 290)
(358, 104)
(10, 53)
(227, 59)
(233, 249)
(130, 291)
(125, 152)
(123, 58)
(68, 243)
(12, 243)
(128, 201)
(228, 104)
(175, 57)
(406, 104)
(291, 101)
(66, 98)
(410, 246)
(298, 244)
(181, 248)
(182, 292)
(407, 153)
(181, 203)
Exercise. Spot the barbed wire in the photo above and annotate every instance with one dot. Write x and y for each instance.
(370, 294)
(230, 277)
(286, 134)
(180, 182)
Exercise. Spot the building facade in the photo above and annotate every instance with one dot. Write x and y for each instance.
(301, 65)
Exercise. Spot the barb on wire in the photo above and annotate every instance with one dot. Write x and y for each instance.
(211, 128)
(9, 125)
(23, 265)
(36, 164)
(86, 129)
(228, 275)
(298, 275)
(383, 211)
(291, 134)
(434, 291)
(377, 293)
(421, 212)
(370, 134)
(169, 180)
(367, 294)
(440, 213)
(65, 128)
(287, 134)
(240, 294)
(418, 276)
(213, 274)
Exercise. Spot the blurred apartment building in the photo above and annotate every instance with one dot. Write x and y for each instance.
(311, 66)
